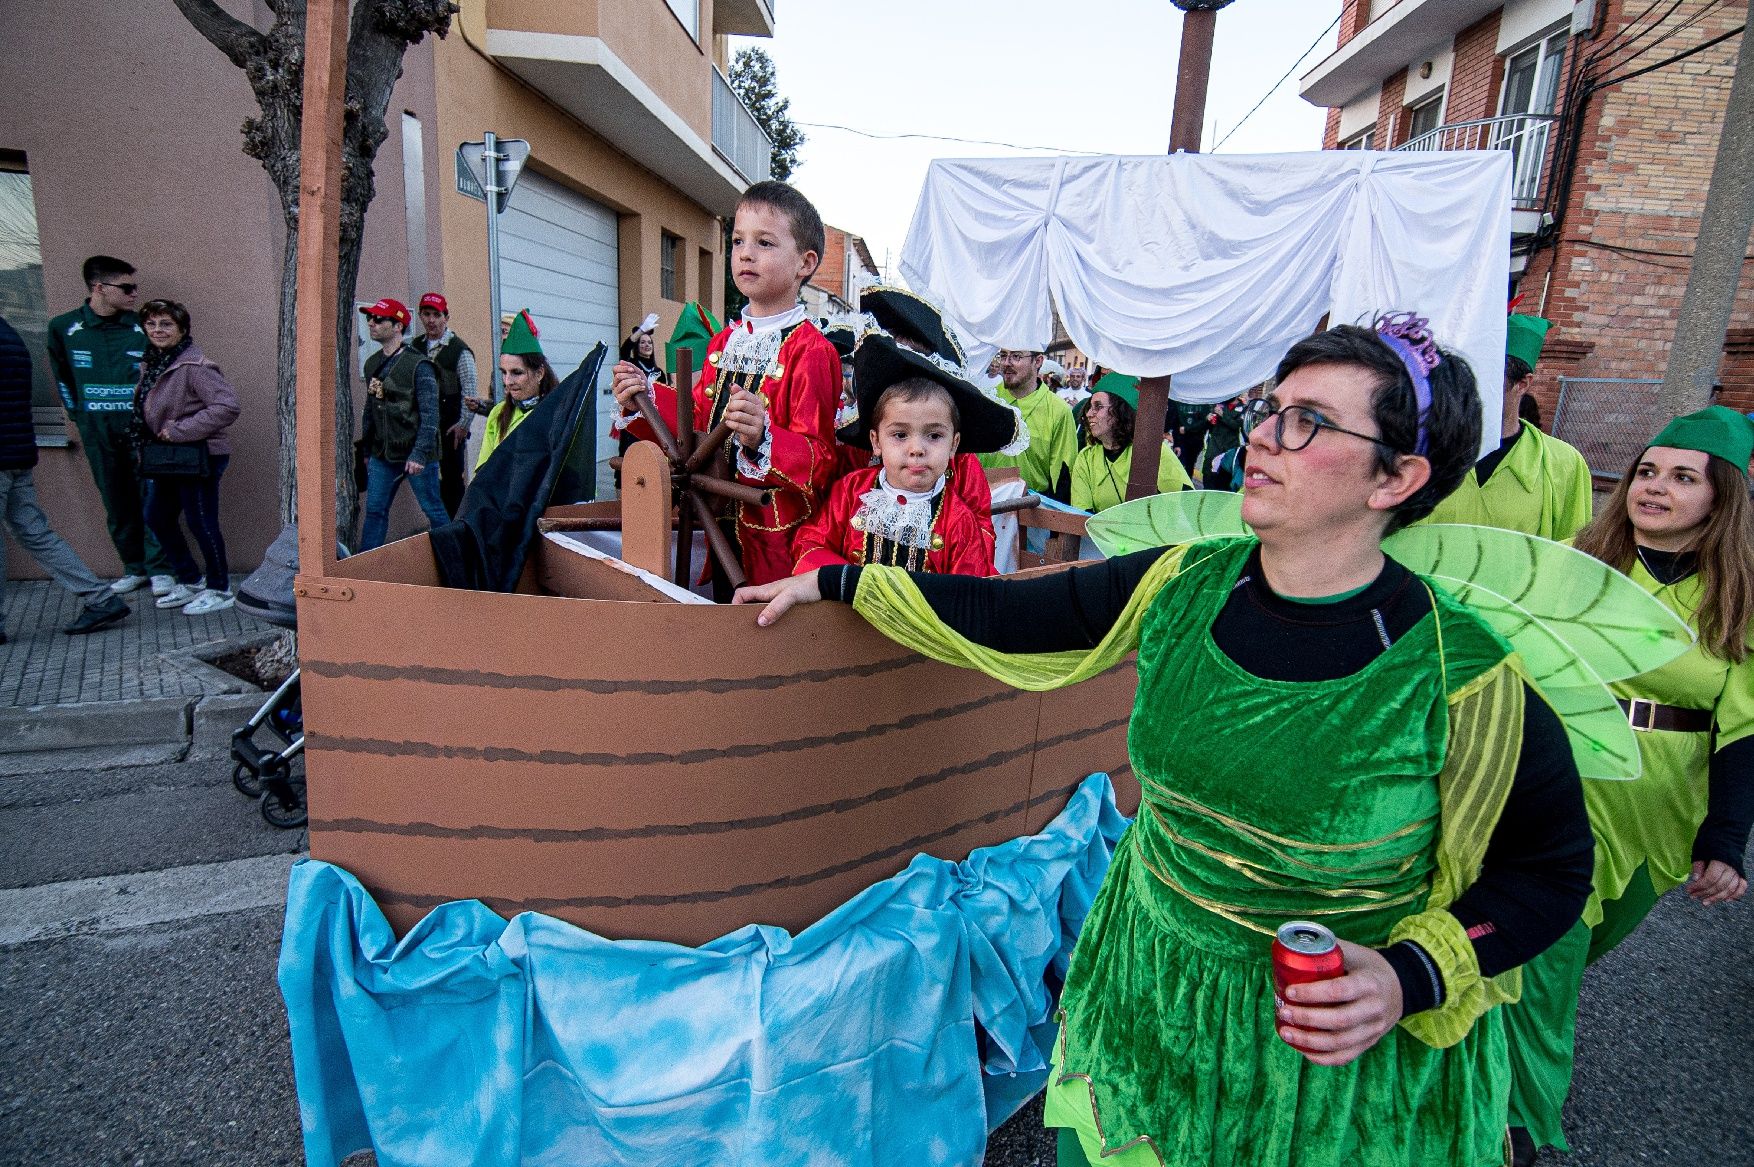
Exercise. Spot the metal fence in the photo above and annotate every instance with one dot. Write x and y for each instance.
(1609, 419)
(1525, 135)
(737, 136)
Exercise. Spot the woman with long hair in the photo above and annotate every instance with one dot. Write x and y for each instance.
(183, 399)
(1679, 523)
(1100, 470)
(1367, 755)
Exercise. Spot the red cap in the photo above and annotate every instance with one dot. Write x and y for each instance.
(434, 300)
(388, 309)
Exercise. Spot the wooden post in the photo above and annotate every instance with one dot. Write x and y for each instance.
(1148, 435)
(1193, 69)
(684, 442)
(319, 251)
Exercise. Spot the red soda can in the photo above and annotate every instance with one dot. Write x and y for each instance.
(1304, 952)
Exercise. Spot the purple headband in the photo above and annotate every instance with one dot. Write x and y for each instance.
(1409, 337)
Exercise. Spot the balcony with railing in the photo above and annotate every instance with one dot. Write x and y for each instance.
(1528, 137)
(737, 137)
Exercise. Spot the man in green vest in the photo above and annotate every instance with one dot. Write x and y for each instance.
(454, 362)
(94, 353)
(1532, 483)
(1046, 466)
(400, 435)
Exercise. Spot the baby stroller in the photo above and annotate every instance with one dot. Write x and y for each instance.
(267, 775)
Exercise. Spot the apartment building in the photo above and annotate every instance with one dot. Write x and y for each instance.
(1611, 111)
(119, 134)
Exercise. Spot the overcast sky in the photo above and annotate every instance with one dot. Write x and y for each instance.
(1090, 75)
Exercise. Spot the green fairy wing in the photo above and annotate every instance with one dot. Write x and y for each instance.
(1575, 622)
(1166, 520)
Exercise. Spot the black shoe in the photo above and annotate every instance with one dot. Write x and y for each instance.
(1522, 1147)
(98, 614)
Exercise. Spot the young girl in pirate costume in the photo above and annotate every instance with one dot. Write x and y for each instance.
(917, 416)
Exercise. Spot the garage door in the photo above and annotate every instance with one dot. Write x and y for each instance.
(558, 257)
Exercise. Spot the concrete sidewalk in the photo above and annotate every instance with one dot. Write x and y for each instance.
(136, 683)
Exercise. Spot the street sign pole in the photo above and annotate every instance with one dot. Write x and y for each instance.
(491, 185)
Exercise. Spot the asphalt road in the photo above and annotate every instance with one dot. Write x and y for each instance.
(140, 1022)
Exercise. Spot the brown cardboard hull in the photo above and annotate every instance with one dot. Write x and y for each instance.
(656, 770)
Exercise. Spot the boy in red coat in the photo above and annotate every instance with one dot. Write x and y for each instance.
(771, 376)
(916, 414)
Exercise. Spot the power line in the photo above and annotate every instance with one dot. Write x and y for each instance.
(944, 138)
(1251, 113)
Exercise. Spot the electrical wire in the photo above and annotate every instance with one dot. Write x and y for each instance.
(943, 138)
(1275, 88)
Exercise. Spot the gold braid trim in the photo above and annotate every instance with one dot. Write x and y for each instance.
(1259, 874)
(1259, 835)
(1235, 913)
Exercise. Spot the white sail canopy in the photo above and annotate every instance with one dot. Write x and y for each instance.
(1209, 267)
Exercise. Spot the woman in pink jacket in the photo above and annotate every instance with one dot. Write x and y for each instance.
(183, 397)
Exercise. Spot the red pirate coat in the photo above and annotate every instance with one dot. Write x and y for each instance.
(800, 381)
(961, 539)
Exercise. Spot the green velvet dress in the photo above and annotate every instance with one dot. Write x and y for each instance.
(1280, 801)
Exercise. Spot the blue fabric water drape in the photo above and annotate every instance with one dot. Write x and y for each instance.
(859, 1042)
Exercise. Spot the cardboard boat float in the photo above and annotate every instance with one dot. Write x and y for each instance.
(593, 749)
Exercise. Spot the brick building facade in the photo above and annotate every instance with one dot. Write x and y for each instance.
(1612, 168)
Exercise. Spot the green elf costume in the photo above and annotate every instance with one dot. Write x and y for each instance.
(1045, 466)
(1099, 476)
(505, 417)
(1694, 718)
(1533, 483)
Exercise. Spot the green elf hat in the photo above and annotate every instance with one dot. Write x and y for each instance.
(521, 340)
(1117, 385)
(1524, 336)
(1716, 430)
(694, 331)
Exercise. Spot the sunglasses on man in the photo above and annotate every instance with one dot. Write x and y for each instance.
(125, 289)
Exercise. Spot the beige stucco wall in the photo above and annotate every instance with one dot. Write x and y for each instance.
(475, 95)
(130, 121)
(645, 34)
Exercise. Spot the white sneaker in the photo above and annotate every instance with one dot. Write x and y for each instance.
(128, 583)
(179, 595)
(209, 601)
(162, 585)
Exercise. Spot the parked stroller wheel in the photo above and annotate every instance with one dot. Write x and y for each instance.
(247, 781)
(283, 805)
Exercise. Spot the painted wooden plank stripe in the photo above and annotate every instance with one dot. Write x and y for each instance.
(316, 743)
(705, 827)
(477, 678)
(907, 847)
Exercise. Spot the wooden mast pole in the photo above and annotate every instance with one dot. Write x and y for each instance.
(1194, 68)
(319, 248)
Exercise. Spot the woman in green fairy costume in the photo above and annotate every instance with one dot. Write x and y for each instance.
(1680, 525)
(1368, 755)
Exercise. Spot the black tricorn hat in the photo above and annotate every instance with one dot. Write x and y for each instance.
(842, 337)
(904, 315)
(987, 425)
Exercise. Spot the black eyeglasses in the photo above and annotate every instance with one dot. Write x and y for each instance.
(1297, 425)
(125, 289)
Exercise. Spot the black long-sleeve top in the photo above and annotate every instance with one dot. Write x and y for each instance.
(1536, 874)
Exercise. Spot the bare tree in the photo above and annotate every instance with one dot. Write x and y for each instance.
(273, 61)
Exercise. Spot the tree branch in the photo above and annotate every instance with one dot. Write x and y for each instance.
(226, 32)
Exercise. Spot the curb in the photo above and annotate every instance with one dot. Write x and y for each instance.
(152, 721)
(201, 725)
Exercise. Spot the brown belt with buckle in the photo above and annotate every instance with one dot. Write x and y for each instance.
(1642, 714)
